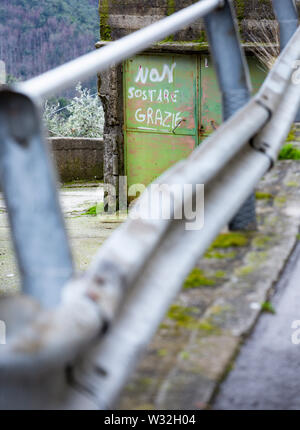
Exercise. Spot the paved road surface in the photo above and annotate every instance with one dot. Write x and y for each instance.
(266, 374)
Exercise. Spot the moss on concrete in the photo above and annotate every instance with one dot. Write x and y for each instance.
(220, 255)
(184, 355)
(162, 352)
(244, 270)
(95, 210)
(292, 135)
(279, 201)
(261, 241)
(228, 240)
(202, 37)
(256, 258)
(170, 7)
(240, 8)
(268, 307)
(289, 152)
(292, 184)
(183, 318)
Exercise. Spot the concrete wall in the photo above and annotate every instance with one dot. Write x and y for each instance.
(77, 158)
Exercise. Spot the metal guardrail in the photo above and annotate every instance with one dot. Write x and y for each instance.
(125, 288)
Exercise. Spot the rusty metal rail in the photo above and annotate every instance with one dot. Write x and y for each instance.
(124, 292)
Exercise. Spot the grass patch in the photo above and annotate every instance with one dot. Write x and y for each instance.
(268, 307)
(197, 279)
(289, 152)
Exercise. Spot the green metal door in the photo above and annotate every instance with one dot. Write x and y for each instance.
(161, 113)
(172, 103)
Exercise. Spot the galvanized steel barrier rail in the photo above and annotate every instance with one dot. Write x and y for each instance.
(78, 349)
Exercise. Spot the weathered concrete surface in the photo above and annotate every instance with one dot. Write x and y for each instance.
(78, 158)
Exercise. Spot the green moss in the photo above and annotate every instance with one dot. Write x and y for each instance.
(220, 274)
(202, 37)
(268, 307)
(145, 407)
(170, 11)
(292, 184)
(170, 7)
(220, 255)
(228, 240)
(182, 316)
(298, 236)
(184, 355)
(257, 257)
(289, 152)
(162, 352)
(196, 279)
(263, 196)
(81, 182)
(292, 135)
(168, 39)
(207, 326)
(271, 220)
(94, 210)
(105, 30)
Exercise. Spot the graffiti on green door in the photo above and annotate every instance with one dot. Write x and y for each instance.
(160, 114)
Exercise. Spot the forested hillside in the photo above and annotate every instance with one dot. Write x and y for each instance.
(36, 35)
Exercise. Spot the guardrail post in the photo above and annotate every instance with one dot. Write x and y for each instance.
(29, 187)
(234, 81)
(287, 16)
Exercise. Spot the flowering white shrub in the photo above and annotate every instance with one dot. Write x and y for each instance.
(85, 116)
